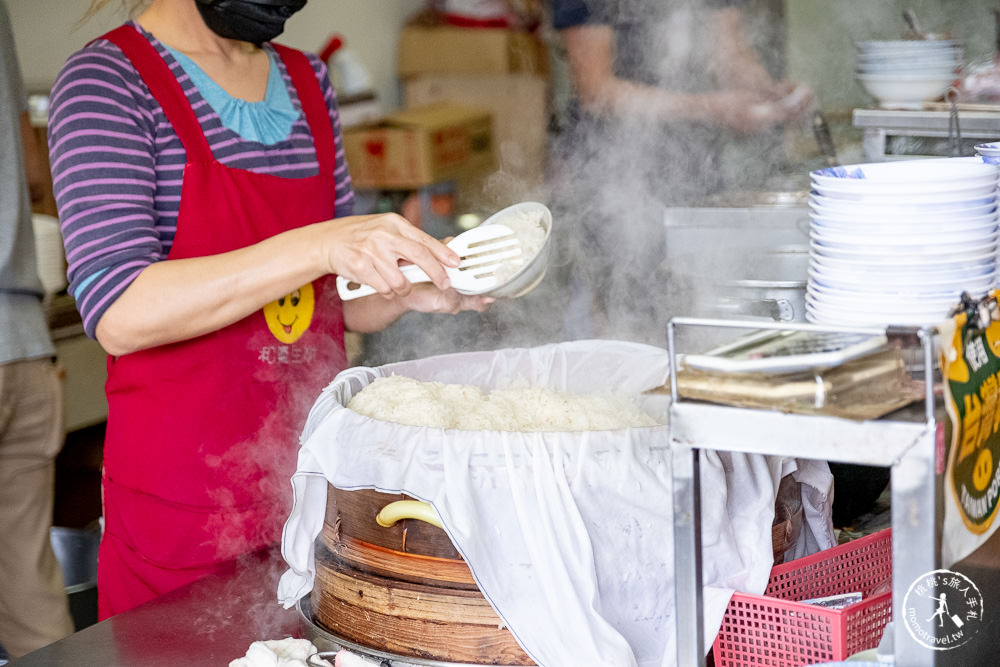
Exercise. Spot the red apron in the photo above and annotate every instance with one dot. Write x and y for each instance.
(202, 435)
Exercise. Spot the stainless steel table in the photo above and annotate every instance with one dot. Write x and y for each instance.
(904, 441)
(880, 124)
(206, 623)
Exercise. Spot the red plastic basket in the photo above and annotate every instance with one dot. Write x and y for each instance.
(773, 629)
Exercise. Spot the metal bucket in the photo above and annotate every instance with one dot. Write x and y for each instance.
(76, 551)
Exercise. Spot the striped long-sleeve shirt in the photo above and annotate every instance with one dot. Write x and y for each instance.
(118, 164)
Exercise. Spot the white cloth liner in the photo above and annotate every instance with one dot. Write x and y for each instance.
(568, 535)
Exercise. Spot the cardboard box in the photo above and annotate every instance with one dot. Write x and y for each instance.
(449, 49)
(420, 146)
(520, 108)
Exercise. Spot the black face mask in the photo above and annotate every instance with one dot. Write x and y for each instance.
(254, 21)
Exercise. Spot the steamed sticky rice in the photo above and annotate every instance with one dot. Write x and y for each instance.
(404, 400)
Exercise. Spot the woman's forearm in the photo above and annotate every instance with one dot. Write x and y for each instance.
(176, 300)
(180, 299)
(590, 50)
(372, 313)
(737, 64)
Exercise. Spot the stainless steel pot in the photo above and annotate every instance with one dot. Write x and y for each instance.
(780, 301)
(738, 262)
(776, 291)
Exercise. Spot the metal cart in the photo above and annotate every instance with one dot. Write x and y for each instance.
(905, 441)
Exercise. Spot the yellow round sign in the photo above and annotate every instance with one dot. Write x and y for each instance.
(982, 472)
(289, 317)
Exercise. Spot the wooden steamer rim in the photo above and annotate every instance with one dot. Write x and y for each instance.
(404, 590)
(405, 593)
(324, 640)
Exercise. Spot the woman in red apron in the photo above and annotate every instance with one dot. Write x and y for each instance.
(218, 352)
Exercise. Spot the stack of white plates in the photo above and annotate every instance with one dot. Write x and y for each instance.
(898, 242)
(903, 74)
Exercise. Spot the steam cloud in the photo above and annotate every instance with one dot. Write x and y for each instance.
(608, 184)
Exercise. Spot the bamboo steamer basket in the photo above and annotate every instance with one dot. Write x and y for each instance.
(402, 589)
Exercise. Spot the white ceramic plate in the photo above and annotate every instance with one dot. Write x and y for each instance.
(970, 217)
(972, 194)
(876, 237)
(878, 231)
(909, 262)
(955, 56)
(874, 280)
(943, 70)
(878, 282)
(930, 252)
(898, 300)
(986, 215)
(881, 314)
(911, 193)
(906, 43)
(910, 47)
(905, 172)
(853, 319)
(897, 312)
(941, 56)
(834, 316)
(901, 205)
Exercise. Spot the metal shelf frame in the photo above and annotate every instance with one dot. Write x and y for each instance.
(905, 441)
(880, 124)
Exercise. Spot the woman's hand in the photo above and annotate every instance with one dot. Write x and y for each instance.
(428, 299)
(198, 295)
(369, 248)
(745, 112)
(796, 98)
(375, 312)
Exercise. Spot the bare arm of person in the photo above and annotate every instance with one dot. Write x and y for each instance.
(374, 313)
(590, 51)
(738, 65)
(176, 300)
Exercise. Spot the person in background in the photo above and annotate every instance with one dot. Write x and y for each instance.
(206, 208)
(659, 87)
(34, 610)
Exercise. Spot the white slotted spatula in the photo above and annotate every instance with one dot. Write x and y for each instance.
(483, 250)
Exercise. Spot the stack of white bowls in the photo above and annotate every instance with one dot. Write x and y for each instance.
(989, 152)
(903, 74)
(898, 242)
